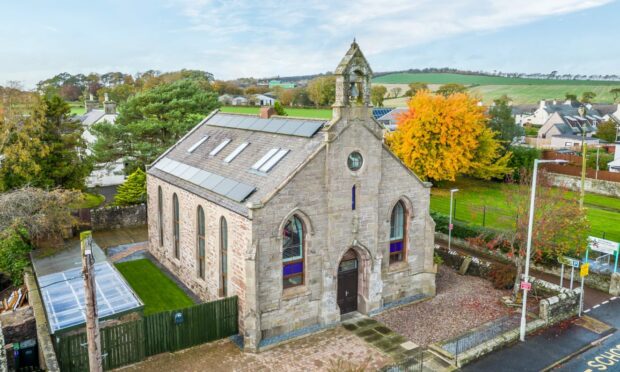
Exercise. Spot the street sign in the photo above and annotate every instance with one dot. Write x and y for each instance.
(526, 285)
(585, 268)
(451, 226)
(568, 261)
(602, 245)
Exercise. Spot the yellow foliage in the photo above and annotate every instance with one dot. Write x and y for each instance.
(441, 137)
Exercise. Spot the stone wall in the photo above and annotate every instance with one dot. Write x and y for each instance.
(185, 268)
(562, 305)
(18, 325)
(108, 218)
(591, 185)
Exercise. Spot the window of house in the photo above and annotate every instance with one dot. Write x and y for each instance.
(353, 189)
(264, 159)
(224, 256)
(197, 144)
(355, 161)
(160, 215)
(397, 233)
(200, 231)
(175, 225)
(236, 152)
(219, 147)
(293, 253)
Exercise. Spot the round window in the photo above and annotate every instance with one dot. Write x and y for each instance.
(355, 161)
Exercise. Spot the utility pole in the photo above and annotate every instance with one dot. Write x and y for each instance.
(450, 225)
(584, 150)
(90, 294)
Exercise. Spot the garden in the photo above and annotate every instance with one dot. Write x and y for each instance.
(156, 290)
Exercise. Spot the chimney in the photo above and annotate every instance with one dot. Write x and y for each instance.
(109, 106)
(90, 104)
(542, 104)
(266, 112)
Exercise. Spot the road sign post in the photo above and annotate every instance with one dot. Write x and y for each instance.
(583, 272)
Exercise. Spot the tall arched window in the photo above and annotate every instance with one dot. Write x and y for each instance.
(160, 215)
(175, 224)
(200, 231)
(398, 234)
(293, 253)
(224, 256)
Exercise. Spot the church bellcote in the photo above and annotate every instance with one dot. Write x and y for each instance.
(353, 76)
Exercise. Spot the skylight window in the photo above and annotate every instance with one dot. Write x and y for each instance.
(264, 159)
(195, 145)
(236, 152)
(273, 160)
(219, 147)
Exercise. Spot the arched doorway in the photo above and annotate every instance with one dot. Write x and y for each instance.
(347, 282)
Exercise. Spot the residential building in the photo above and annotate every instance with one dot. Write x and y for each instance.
(264, 99)
(225, 99)
(304, 220)
(614, 166)
(539, 116)
(239, 101)
(561, 131)
(390, 118)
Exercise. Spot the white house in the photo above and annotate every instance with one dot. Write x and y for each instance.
(239, 101)
(264, 100)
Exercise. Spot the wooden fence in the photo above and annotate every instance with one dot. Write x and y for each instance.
(167, 331)
(572, 170)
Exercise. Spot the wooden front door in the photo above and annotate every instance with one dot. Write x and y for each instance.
(347, 284)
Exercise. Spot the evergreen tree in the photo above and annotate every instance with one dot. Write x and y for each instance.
(503, 123)
(152, 121)
(133, 190)
(279, 109)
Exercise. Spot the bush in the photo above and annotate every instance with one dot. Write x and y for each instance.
(133, 191)
(522, 160)
(437, 259)
(462, 230)
(502, 275)
(14, 251)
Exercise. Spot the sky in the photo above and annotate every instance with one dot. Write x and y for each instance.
(237, 38)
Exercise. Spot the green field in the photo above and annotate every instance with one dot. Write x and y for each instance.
(489, 88)
(157, 291)
(77, 108)
(294, 112)
(488, 204)
(444, 78)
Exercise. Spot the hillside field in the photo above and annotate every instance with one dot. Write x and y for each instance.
(488, 88)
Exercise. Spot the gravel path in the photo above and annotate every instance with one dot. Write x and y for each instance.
(462, 303)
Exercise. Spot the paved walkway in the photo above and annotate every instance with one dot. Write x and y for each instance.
(332, 350)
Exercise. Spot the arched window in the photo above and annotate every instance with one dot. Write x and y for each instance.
(398, 231)
(160, 215)
(224, 256)
(200, 231)
(293, 253)
(175, 224)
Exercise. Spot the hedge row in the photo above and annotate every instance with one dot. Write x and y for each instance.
(461, 229)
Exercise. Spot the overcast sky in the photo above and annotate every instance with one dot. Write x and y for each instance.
(235, 38)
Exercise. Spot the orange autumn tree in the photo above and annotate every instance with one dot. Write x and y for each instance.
(441, 137)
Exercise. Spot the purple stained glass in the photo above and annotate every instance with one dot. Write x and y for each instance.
(294, 268)
(396, 247)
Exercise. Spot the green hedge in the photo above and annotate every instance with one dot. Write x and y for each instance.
(461, 229)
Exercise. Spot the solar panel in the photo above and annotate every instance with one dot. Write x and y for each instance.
(224, 186)
(264, 159)
(195, 145)
(219, 147)
(236, 152)
(296, 127)
(273, 160)
(64, 300)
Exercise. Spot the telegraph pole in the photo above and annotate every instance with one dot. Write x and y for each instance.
(584, 149)
(90, 294)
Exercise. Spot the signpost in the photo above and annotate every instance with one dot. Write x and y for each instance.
(573, 263)
(526, 286)
(604, 246)
(583, 272)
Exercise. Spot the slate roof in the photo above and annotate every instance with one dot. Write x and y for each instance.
(94, 116)
(218, 127)
(523, 109)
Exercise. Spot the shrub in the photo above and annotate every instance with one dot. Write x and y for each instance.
(437, 260)
(462, 230)
(279, 109)
(133, 191)
(502, 275)
(14, 251)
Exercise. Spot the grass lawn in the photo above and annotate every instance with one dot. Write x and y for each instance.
(77, 108)
(489, 203)
(157, 291)
(91, 200)
(294, 112)
(444, 78)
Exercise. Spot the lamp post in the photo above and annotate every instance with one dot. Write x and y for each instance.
(450, 223)
(529, 241)
(582, 113)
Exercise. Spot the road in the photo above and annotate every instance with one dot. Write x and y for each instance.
(585, 345)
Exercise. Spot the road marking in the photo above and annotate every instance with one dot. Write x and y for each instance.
(613, 298)
(587, 311)
(605, 302)
(595, 306)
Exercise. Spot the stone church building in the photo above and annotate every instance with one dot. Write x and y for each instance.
(304, 220)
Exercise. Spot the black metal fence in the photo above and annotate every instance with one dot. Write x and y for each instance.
(414, 363)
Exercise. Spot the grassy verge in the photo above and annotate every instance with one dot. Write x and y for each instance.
(91, 201)
(157, 291)
(294, 112)
(489, 204)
